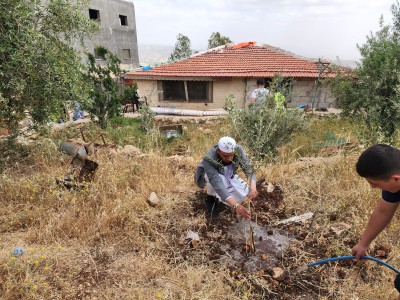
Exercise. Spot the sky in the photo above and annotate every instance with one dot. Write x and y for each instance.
(311, 28)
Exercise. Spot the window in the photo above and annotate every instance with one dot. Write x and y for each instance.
(174, 90)
(123, 20)
(126, 53)
(187, 91)
(197, 90)
(94, 14)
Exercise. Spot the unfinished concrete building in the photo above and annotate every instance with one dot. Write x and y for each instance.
(117, 30)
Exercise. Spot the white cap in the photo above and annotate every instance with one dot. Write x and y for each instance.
(227, 144)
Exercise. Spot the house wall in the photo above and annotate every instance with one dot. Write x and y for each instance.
(303, 91)
(221, 89)
(112, 34)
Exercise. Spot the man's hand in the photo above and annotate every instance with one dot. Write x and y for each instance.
(252, 194)
(253, 191)
(242, 211)
(359, 250)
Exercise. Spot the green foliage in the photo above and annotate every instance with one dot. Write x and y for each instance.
(147, 117)
(372, 91)
(129, 93)
(230, 102)
(39, 69)
(182, 48)
(216, 39)
(283, 85)
(105, 100)
(124, 131)
(121, 121)
(262, 130)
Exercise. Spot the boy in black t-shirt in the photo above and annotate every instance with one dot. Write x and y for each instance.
(380, 166)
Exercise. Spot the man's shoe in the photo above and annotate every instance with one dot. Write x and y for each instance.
(213, 206)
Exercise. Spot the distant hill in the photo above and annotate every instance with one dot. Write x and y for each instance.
(154, 54)
(345, 62)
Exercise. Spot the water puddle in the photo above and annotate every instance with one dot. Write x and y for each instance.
(269, 243)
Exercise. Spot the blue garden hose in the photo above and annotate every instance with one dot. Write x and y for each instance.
(324, 261)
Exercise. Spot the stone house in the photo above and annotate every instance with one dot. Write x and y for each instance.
(203, 81)
(117, 33)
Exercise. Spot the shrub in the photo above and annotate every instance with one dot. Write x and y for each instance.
(262, 130)
(230, 102)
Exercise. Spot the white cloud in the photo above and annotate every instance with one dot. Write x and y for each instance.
(314, 28)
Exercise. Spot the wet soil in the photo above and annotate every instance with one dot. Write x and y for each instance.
(225, 242)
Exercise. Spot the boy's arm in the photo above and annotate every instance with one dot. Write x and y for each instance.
(380, 218)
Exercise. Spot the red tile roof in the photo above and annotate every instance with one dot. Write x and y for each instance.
(241, 60)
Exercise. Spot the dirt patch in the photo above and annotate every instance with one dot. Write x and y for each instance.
(271, 270)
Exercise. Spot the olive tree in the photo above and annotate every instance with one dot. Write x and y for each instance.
(39, 68)
(105, 93)
(372, 90)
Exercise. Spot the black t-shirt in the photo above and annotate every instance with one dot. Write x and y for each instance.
(391, 197)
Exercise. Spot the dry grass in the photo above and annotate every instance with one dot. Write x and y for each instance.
(106, 242)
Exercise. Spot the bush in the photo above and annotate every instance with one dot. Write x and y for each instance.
(262, 130)
(230, 102)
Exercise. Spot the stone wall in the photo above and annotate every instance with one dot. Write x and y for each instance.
(304, 93)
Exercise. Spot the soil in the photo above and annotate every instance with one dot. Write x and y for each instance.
(277, 249)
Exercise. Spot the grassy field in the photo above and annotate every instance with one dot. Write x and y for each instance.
(106, 242)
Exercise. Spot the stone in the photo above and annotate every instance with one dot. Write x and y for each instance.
(191, 235)
(131, 150)
(278, 274)
(270, 187)
(339, 228)
(294, 219)
(153, 199)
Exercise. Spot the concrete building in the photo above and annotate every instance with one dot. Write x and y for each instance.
(117, 29)
(204, 80)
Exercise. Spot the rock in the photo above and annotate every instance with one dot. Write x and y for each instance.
(380, 253)
(340, 228)
(195, 244)
(270, 187)
(131, 150)
(191, 235)
(278, 274)
(261, 273)
(153, 199)
(182, 162)
(4, 131)
(274, 282)
(386, 247)
(300, 218)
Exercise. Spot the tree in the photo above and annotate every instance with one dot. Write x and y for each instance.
(39, 69)
(372, 91)
(105, 100)
(216, 39)
(182, 48)
(263, 130)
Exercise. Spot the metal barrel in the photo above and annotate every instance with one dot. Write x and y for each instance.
(73, 149)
